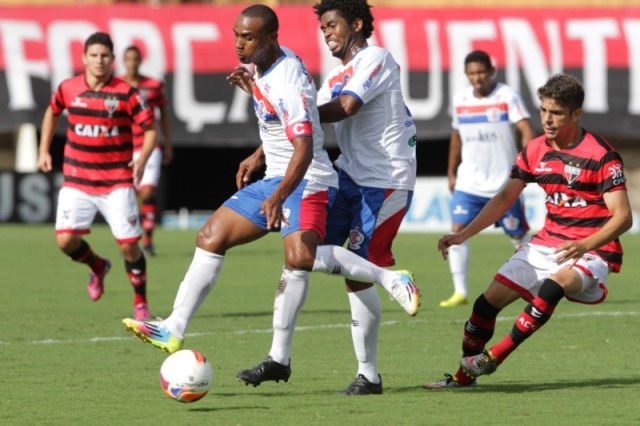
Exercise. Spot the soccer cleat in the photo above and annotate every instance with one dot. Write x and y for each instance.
(155, 333)
(449, 382)
(141, 312)
(96, 282)
(456, 300)
(479, 365)
(362, 386)
(266, 370)
(149, 250)
(404, 291)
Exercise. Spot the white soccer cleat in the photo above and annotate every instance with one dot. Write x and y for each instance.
(404, 291)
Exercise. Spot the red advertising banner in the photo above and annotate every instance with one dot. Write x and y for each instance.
(192, 49)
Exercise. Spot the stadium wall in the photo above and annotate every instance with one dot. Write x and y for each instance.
(191, 48)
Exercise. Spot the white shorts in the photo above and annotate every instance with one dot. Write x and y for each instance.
(77, 210)
(151, 176)
(532, 264)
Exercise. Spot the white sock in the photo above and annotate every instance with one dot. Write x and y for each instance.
(365, 314)
(336, 260)
(199, 280)
(290, 296)
(458, 264)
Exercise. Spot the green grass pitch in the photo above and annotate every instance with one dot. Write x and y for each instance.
(66, 360)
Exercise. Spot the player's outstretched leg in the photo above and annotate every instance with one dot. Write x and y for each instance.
(449, 382)
(479, 365)
(96, 281)
(154, 332)
(405, 292)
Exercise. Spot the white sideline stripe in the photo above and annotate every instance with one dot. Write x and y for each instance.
(311, 328)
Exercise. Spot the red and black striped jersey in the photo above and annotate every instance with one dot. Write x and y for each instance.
(574, 180)
(153, 93)
(99, 139)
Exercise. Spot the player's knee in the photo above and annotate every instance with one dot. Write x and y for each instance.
(210, 240)
(67, 242)
(130, 251)
(299, 260)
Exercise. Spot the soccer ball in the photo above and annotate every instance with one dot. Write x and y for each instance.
(186, 376)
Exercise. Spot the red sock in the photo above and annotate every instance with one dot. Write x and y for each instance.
(84, 254)
(148, 212)
(463, 378)
(534, 316)
(137, 273)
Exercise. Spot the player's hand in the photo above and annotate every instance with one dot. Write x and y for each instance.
(138, 171)
(447, 241)
(272, 207)
(242, 78)
(246, 169)
(44, 162)
(167, 154)
(452, 183)
(570, 251)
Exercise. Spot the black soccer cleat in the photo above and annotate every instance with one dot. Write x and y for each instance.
(266, 370)
(362, 386)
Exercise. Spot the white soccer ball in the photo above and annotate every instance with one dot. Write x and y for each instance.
(186, 376)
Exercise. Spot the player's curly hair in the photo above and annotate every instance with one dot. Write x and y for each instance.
(564, 89)
(99, 38)
(350, 10)
(268, 16)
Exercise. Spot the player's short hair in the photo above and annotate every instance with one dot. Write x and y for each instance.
(565, 89)
(350, 10)
(133, 48)
(268, 16)
(478, 56)
(99, 38)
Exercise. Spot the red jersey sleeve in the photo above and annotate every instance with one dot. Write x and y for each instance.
(141, 113)
(612, 177)
(57, 101)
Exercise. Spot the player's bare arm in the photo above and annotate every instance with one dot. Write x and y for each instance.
(49, 124)
(167, 142)
(621, 220)
(248, 167)
(491, 212)
(526, 132)
(455, 157)
(338, 109)
(298, 165)
(148, 145)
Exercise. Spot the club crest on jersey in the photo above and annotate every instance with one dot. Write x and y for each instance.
(571, 173)
(111, 105)
(356, 238)
(132, 219)
(511, 223)
(142, 100)
(493, 114)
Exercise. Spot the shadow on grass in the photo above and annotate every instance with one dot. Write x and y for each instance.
(214, 409)
(270, 313)
(612, 383)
